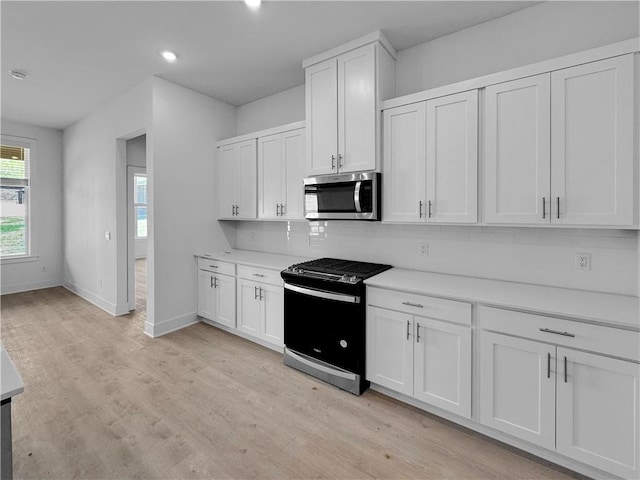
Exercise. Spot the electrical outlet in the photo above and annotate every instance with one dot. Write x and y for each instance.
(252, 236)
(583, 261)
(423, 249)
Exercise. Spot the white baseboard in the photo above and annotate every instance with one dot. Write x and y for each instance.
(27, 287)
(94, 299)
(155, 330)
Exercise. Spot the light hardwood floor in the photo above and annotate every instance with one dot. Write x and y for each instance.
(102, 400)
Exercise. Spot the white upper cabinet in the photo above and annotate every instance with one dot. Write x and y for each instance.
(431, 160)
(280, 174)
(592, 164)
(452, 158)
(343, 95)
(517, 151)
(404, 179)
(237, 180)
(559, 147)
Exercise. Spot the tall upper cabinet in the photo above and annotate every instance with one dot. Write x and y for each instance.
(237, 179)
(559, 147)
(344, 89)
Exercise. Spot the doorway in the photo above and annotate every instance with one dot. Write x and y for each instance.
(137, 223)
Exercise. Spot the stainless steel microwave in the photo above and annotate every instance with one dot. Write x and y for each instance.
(348, 196)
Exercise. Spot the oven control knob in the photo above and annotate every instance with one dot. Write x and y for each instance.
(344, 278)
(343, 343)
(353, 279)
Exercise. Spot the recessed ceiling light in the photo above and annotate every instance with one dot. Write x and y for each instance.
(18, 75)
(253, 4)
(169, 56)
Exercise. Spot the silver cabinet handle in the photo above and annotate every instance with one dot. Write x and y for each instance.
(420, 209)
(261, 293)
(213, 266)
(258, 275)
(233, 210)
(333, 162)
(255, 293)
(282, 213)
(565, 369)
(408, 324)
(340, 162)
(212, 285)
(417, 333)
(544, 207)
(556, 332)
(548, 365)
(277, 210)
(215, 282)
(237, 209)
(429, 208)
(409, 304)
(558, 207)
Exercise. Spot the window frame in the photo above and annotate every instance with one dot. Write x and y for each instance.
(135, 204)
(30, 227)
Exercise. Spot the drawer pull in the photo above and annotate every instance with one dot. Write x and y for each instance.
(555, 332)
(258, 275)
(548, 365)
(213, 266)
(565, 369)
(409, 304)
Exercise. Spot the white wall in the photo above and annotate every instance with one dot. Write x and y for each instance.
(186, 126)
(279, 109)
(544, 31)
(532, 255)
(94, 183)
(46, 207)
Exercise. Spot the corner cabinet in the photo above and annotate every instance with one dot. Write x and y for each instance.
(421, 347)
(343, 95)
(561, 389)
(431, 160)
(280, 175)
(237, 163)
(217, 291)
(559, 147)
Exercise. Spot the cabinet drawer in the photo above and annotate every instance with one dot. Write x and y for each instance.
(595, 338)
(257, 274)
(430, 307)
(216, 266)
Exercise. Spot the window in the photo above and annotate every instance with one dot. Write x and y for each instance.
(140, 204)
(14, 199)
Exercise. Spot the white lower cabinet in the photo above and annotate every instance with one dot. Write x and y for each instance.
(261, 310)
(582, 405)
(423, 355)
(217, 297)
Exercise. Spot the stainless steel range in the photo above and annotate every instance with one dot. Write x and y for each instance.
(325, 319)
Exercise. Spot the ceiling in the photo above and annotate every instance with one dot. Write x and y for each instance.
(80, 54)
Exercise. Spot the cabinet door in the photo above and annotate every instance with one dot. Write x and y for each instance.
(404, 179)
(227, 159)
(246, 178)
(206, 295)
(390, 349)
(357, 110)
(293, 152)
(597, 415)
(226, 300)
(270, 176)
(272, 326)
(321, 94)
(517, 151)
(593, 143)
(249, 307)
(452, 158)
(442, 375)
(517, 379)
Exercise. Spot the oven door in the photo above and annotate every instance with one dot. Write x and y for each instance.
(326, 326)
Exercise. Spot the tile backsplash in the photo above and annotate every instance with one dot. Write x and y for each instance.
(542, 256)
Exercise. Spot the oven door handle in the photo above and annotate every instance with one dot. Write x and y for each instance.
(322, 294)
(356, 196)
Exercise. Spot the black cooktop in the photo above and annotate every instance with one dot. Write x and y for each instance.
(337, 266)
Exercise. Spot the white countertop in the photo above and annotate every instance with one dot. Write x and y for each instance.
(621, 310)
(273, 261)
(10, 383)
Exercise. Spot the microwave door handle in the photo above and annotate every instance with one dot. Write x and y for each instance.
(356, 196)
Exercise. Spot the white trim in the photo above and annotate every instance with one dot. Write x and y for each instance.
(94, 299)
(373, 37)
(18, 259)
(262, 133)
(155, 330)
(587, 56)
(27, 287)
